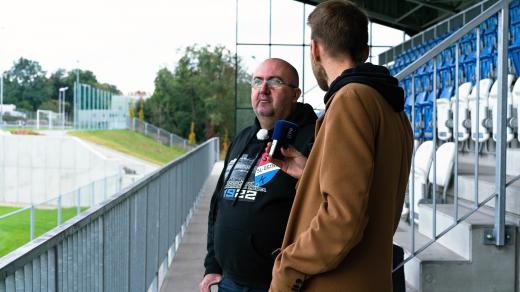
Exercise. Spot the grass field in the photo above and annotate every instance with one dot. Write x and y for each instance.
(15, 230)
(132, 143)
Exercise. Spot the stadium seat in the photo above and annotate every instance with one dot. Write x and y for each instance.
(419, 120)
(463, 126)
(419, 173)
(444, 158)
(444, 132)
(479, 131)
(493, 96)
(427, 114)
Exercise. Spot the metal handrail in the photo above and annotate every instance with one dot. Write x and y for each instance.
(466, 216)
(499, 195)
(446, 43)
(177, 177)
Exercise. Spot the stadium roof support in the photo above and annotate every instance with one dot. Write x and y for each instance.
(411, 16)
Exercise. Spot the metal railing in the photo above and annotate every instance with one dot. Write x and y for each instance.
(497, 237)
(63, 207)
(120, 245)
(162, 136)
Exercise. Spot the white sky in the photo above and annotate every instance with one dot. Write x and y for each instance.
(125, 42)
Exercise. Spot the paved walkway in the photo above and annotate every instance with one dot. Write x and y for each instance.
(187, 267)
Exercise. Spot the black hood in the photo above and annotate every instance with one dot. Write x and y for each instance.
(377, 77)
(302, 115)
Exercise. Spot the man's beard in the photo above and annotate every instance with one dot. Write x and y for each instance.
(320, 75)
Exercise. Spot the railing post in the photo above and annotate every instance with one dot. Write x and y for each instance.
(78, 201)
(105, 189)
(171, 139)
(500, 174)
(145, 128)
(59, 211)
(32, 223)
(93, 194)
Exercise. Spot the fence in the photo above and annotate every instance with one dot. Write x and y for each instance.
(448, 162)
(37, 218)
(161, 135)
(120, 245)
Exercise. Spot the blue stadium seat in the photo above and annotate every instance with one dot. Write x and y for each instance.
(427, 112)
(418, 119)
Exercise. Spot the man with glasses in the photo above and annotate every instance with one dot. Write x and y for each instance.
(252, 200)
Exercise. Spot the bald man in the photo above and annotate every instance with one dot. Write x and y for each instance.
(251, 203)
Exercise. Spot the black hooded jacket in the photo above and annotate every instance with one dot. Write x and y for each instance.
(245, 231)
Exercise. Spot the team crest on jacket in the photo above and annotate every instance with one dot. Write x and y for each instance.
(265, 171)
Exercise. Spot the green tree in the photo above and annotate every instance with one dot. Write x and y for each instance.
(26, 85)
(201, 89)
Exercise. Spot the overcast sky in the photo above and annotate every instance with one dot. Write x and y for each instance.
(125, 42)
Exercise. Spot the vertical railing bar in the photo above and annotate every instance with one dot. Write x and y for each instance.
(476, 123)
(456, 135)
(500, 175)
(434, 149)
(31, 232)
(78, 201)
(59, 211)
(412, 197)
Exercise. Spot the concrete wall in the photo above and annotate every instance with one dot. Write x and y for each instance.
(34, 169)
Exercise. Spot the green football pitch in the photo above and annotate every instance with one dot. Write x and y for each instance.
(15, 230)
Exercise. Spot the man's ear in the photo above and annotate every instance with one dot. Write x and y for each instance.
(315, 51)
(366, 52)
(297, 93)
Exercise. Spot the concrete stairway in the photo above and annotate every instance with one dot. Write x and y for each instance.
(460, 261)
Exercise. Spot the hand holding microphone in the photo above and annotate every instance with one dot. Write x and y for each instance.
(283, 134)
(283, 154)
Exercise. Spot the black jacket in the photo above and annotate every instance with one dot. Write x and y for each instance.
(244, 231)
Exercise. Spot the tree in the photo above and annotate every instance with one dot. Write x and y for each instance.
(26, 85)
(131, 111)
(141, 110)
(201, 89)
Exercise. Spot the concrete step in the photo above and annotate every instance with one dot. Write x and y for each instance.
(486, 187)
(487, 159)
(459, 238)
(458, 261)
(434, 254)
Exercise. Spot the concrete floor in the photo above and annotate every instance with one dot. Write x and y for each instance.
(187, 267)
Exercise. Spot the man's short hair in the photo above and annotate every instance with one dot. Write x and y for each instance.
(341, 27)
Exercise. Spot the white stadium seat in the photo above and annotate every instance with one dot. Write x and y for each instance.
(493, 96)
(479, 132)
(464, 91)
(443, 116)
(444, 158)
(419, 172)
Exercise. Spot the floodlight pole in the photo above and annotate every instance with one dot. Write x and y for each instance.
(61, 105)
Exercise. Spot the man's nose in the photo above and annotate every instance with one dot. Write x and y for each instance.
(264, 88)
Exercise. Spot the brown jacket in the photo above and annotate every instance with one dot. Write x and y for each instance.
(349, 198)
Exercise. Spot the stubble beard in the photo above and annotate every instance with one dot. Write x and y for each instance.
(320, 75)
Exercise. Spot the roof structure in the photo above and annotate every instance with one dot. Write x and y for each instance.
(411, 16)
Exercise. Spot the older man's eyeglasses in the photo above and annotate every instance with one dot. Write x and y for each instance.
(271, 83)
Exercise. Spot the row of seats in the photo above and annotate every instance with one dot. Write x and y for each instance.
(421, 179)
(477, 118)
(476, 121)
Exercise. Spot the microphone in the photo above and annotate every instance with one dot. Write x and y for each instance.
(262, 134)
(283, 135)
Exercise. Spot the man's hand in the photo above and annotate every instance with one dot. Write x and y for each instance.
(293, 163)
(208, 281)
